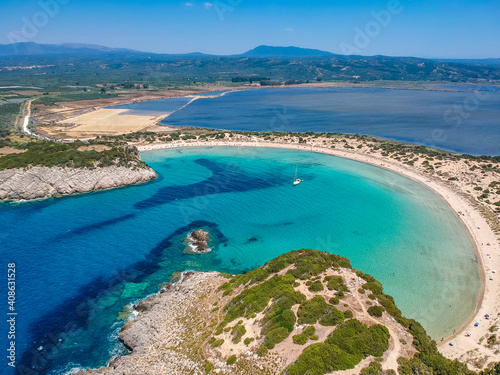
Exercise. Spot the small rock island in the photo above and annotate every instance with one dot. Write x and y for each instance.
(197, 242)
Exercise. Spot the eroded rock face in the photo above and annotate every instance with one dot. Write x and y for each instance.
(198, 242)
(44, 182)
(158, 336)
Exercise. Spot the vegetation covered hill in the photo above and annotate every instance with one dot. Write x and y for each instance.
(73, 155)
(329, 315)
(54, 71)
(303, 313)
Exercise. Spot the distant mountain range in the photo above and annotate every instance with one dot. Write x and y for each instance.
(20, 49)
(30, 48)
(35, 49)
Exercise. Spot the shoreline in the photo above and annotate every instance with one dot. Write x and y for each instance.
(482, 236)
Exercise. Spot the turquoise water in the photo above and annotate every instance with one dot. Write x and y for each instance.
(80, 260)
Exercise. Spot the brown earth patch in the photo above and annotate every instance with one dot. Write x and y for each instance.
(10, 150)
(97, 148)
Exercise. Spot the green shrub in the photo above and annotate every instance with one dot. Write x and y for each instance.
(217, 343)
(348, 314)
(343, 350)
(332, 317)
(309, 331)
(306, 334)
(374, 286)
(375, 368)
(248, 341)
(317, 309)
(334, 301)
(376, 311)
(238, 332)
(288, 279)
(316, 286)
(231, 360)
(208, 367)
(262, 351)
(336, 283)
(276, 336)
(300, 339)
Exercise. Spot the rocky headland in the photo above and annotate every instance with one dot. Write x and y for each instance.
(305, 312)
(44, 182)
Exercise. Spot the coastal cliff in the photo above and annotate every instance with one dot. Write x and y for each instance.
(45, 182)
(303, 311)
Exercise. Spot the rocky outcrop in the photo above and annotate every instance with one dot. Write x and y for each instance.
(44, 182)
(198, 242)
(161, 336)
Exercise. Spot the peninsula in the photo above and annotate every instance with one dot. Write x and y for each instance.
(303, 311)
(47, 169)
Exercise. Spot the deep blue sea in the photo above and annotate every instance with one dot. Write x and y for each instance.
(462, 120)
(82, 261)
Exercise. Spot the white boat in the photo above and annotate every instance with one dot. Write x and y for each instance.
(296, 180)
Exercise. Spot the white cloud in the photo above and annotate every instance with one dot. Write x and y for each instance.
(289, 29)
(208, 5)
(189, 4)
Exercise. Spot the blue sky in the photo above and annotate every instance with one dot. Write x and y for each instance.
(424, 28)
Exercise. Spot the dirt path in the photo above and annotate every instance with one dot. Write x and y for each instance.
(391, 362)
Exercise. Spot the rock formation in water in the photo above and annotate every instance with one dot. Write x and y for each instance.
(44, 182)
(198, 242)
(261, 322)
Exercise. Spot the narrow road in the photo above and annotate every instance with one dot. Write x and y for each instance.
(26, 122)
(391, 362)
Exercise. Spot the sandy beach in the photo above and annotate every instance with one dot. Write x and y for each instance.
(472, 349)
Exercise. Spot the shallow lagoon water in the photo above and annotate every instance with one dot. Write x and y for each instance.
(460, 120)
(82, 259)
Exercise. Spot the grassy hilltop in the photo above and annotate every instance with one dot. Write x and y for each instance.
(276, 294)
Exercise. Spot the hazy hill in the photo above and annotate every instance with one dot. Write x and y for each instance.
(285, 52)
(492, 62)
(66, 64)
(30, 48)
(35, 49)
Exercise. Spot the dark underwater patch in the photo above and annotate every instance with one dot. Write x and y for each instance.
(75, 312)
(224, 179)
